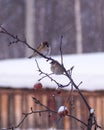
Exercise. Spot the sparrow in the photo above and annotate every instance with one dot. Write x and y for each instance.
(56, 67)
(43, 48)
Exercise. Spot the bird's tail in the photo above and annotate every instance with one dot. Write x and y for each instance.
(33, 55)
(30, 56)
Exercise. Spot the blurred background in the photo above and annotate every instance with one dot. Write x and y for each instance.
(80, 22)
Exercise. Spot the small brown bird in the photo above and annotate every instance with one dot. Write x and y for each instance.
(43, 48)
(56, 67)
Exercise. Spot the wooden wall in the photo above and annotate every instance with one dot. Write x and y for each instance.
(14, 102)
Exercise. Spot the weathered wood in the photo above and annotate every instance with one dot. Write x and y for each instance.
(13, 102)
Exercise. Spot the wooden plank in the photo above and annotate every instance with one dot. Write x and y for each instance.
(4, 110)
(18, 108)
(98, 110)
(103, 112)
(91, 101)
(0, 111)
(24, 109)
(38, 120)
(45, 115)
(66, 123)
(78, 111)
(30, 104)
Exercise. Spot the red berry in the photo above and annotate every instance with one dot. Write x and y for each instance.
(59, 92)
(38, 86)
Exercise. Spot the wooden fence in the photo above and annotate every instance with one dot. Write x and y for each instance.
(14, 102)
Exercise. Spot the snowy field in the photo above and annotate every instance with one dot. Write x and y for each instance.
(88, 68)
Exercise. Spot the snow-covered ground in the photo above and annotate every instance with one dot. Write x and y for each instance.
(88, 68)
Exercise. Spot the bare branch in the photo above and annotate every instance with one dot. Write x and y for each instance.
(68, 73)
(37, 101)
(17, 39)
(48, 75)
(77, 119)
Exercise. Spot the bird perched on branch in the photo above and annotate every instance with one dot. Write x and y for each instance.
(43, 48)
(56, 67)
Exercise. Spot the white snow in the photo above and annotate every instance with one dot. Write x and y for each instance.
(88, 68)
(62, 109)
(92, 110)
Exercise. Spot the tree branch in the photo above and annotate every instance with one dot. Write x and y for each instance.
(67, 73)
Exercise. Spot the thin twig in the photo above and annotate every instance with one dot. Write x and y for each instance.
(16, 40)
(77, 119)
(25, 116)
(48, 58)
(73, 83)
(48, 75)
(38, 102)
(3, 30)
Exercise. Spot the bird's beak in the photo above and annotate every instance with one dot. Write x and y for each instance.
(51, 62)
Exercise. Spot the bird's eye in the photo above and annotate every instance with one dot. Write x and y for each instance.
(47, 44)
